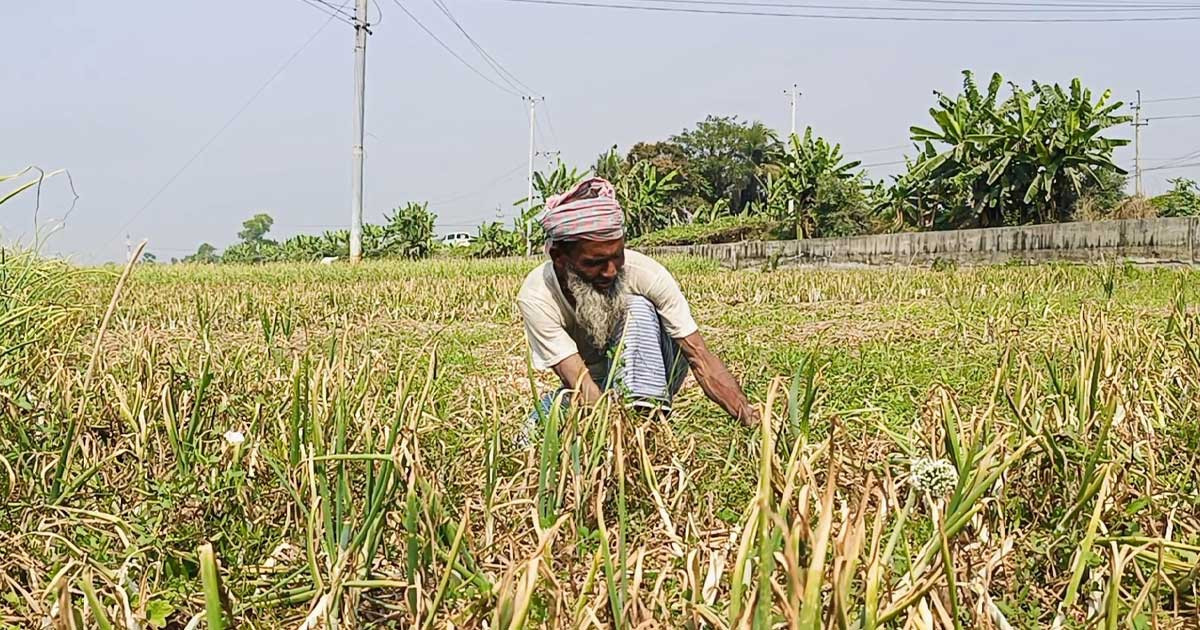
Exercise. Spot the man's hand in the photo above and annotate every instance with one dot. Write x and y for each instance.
(716, 381)
(574, 374)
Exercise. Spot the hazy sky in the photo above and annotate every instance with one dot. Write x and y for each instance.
(124, 93)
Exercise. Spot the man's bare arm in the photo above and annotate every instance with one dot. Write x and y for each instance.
(574, 374)
(716, 381)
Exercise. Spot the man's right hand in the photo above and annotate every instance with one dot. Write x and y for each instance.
(573, 372)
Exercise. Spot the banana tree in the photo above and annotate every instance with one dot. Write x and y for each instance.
(545, 185)
(807, 166)
(1028, 159)
(644, 194)
(408, 232)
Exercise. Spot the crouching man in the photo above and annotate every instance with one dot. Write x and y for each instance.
(594, 298)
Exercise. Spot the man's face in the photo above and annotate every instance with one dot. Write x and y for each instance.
(597, 262)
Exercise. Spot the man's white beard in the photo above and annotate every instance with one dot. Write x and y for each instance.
(599, 313)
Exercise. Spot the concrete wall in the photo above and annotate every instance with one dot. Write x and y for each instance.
(1173, 240)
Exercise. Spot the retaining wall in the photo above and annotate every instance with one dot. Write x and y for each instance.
(1169, 240)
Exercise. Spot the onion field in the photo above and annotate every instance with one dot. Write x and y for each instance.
(311, 446)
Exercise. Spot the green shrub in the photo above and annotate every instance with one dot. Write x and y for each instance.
(723, 230)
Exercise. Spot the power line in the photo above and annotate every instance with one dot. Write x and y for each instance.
(262, 88)
(880, 149)
(1167, 168)
(892, 163)
(331, 11)
(1172, 99)
(550, 124)
(1012, 3)
(869, 18)
(501, 71)
(939, 9)
(451, 51)
(1173, 117)
(482, 188)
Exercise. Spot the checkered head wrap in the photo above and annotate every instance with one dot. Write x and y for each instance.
(587, 212)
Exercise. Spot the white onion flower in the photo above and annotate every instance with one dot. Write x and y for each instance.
(937, 477)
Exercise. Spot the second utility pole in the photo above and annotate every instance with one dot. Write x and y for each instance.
(1137, 145)
(529, 191)
(792, 202)
(360, 88)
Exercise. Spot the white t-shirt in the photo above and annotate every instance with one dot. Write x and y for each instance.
(550, 325)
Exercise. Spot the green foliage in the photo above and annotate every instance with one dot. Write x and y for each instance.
(644, 193)
(205, 254)
(726, 154)
(494, 241)
(730, 229)
(556, 181)
(256, 227)
(149, 258)
(408, 232)
(1182, 201)
(826, 192)
(1028, 159)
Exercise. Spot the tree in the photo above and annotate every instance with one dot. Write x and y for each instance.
(408, 232)
(494, 241)
(812, 175)
(149, 258)
(1182, 201)
(206, 254)
(256, 227)
(556, 181)
(1029, 159)
(725, 155)
(644, 194)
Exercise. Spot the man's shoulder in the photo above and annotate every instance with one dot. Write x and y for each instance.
(535, 287)
(644, 264)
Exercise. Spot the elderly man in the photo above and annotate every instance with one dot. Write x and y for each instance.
(594, 297)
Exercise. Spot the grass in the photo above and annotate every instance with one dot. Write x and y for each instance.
(314, 446)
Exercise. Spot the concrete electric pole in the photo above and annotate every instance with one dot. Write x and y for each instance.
(1138, 123)
(529, 189)
(361, 30)
(792, 93)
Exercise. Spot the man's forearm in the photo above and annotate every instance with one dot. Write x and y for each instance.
(722, 388)
(715, 379)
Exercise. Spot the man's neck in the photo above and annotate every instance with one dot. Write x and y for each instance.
(560, 276)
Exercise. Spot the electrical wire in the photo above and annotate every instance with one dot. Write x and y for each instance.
(867, 18)
(482, 188)
(1012, 3)
(452, 53)
(331, 11)
(959, 9)
(501, 71)
(880, 149)
(1172, 99)
(253, 97)
(1173, 117)
(1167, 168)
(550, 124)
(892, 163)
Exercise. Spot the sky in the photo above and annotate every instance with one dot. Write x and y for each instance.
(125, 94)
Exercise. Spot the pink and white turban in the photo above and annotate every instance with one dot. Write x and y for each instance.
(587, 212)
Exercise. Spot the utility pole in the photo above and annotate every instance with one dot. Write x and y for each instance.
(128, 249)
(1138, 123)
(529, 190)
(361, 30)
(793, 93)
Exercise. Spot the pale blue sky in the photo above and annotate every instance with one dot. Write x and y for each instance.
(124, 93)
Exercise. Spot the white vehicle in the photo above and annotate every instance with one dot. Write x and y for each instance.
(457, 239)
